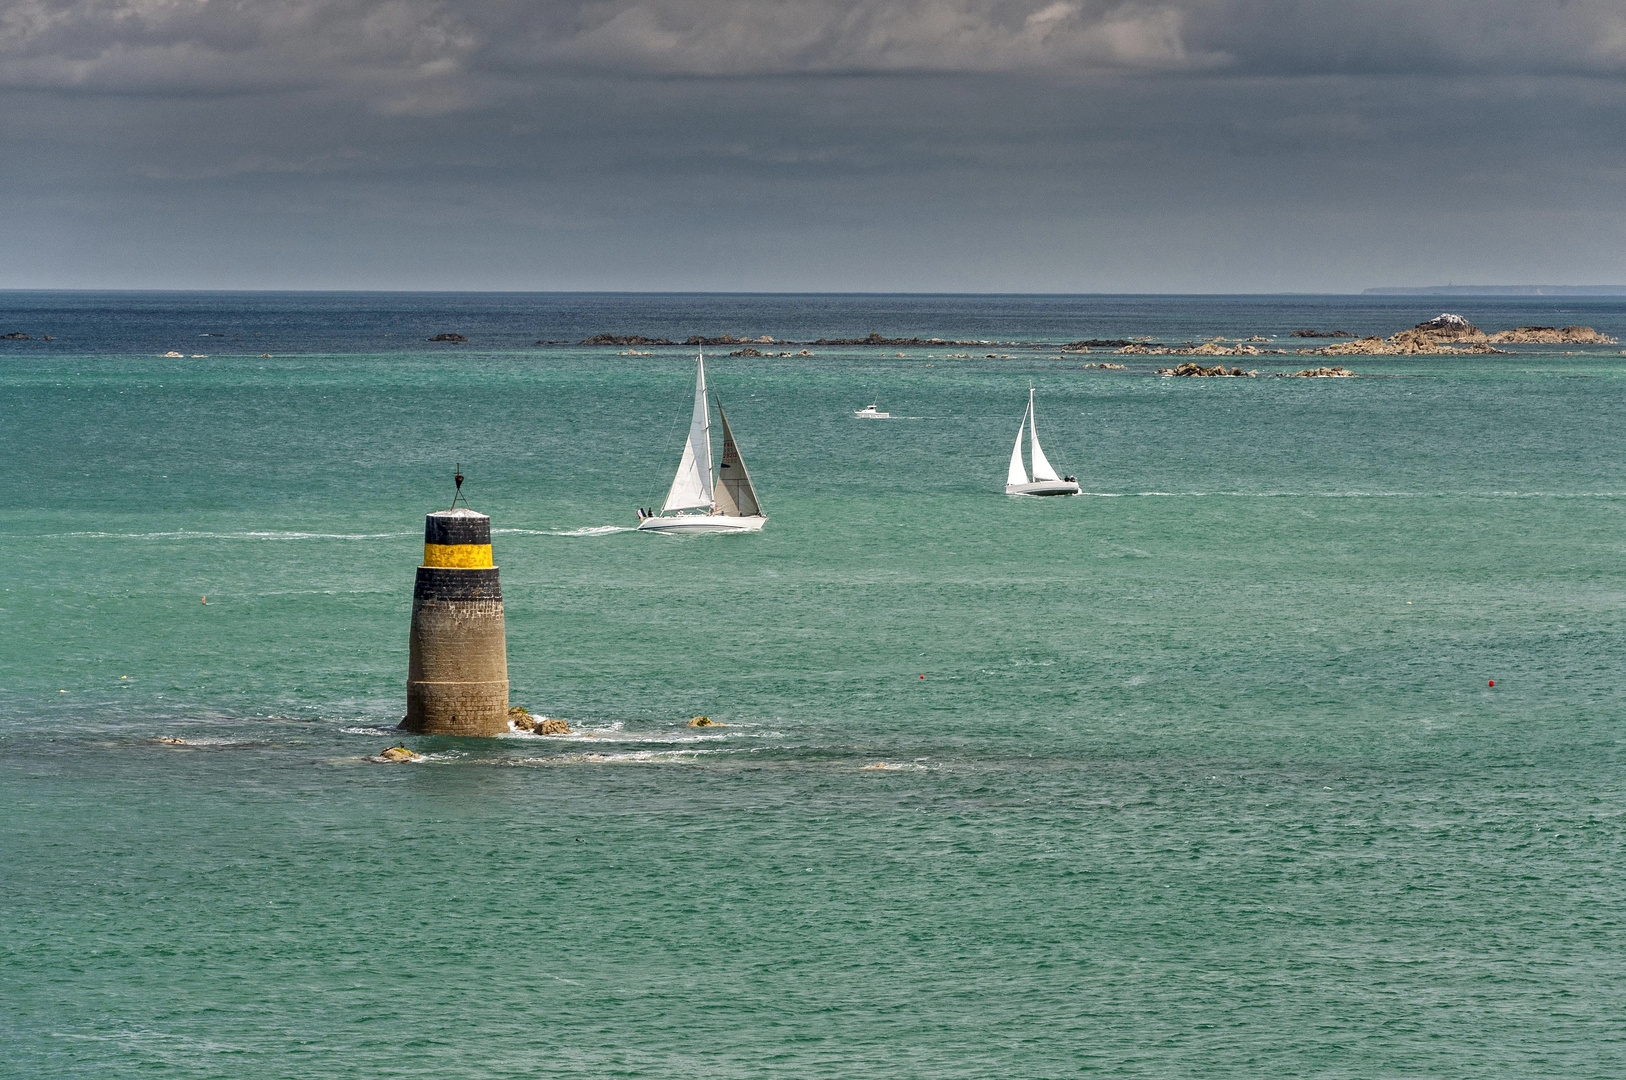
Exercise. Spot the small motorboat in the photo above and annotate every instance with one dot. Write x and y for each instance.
(870, 412)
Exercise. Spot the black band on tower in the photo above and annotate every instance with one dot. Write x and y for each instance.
(448, 529)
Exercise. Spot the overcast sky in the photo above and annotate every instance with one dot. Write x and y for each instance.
(846, 145)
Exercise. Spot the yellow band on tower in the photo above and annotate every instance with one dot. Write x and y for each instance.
(458, 556)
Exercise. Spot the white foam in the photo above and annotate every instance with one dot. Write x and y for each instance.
(187, 534)
(591, 530)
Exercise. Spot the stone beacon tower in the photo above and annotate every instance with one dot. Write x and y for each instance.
(457, 672)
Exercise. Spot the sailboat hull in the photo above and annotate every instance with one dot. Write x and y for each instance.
(1044, 487)
(702, 523)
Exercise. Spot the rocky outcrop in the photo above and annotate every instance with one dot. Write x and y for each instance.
(170, 740)
(623, 340)
(1106, 367)
(1448, 327)
(1321, 333)
(454, 338)
(1100, 343)
(15, 337)
(748, 351)
(1207, 348)
(520, 719)
(1199, 371)
(1552, 335)
(1405, 343)
(553, 727)
(729, 339)
(705, 721)
(396, 754)
(1318, 373)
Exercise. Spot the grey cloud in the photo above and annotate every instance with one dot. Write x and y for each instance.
(430, 56)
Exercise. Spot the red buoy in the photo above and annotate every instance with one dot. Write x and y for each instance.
(1493, 682)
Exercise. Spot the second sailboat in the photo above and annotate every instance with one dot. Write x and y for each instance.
(698, 503)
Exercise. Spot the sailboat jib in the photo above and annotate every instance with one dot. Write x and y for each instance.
(735, 495)
(692, 486)
(1018, 474)
(1042, 470)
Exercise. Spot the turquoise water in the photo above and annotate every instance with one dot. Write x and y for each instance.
(1204, 777)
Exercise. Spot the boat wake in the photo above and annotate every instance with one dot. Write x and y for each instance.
(591, 530)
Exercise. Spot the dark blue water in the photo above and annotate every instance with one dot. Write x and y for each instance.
(118, 323)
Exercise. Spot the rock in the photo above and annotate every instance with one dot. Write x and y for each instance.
(1318, 373)
(1448, 327)
(1099, 343)
(747, 351)
(1551, 335)
(173, 353)
(170, 740)
(552, 727)
(623, 340)
(1319, 333)
(449, 337)
(398, 753)
(1406, 343)
(1189, 369)
(1106, 367)
(15, 337)
(1261, 337)
(520, 719)
(705, 721)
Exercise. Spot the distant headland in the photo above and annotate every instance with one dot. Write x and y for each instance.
(1497, 290)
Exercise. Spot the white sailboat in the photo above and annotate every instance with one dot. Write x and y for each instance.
(697, 503)
(1044, 481)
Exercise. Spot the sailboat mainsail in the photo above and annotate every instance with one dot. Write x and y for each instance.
(1018, 474)
(1041, 465)
(735, 495)
(692, 486)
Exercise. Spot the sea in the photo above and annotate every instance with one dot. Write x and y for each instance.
(1200, 774)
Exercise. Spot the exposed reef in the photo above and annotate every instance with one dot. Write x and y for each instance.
(520, 719)
(396, 754)
(704, 721)
(1443, 334)
(454, 338)
(1318, 373)
(1207, 348)
(622, 340)
(1197, 370)
(1551, 335)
